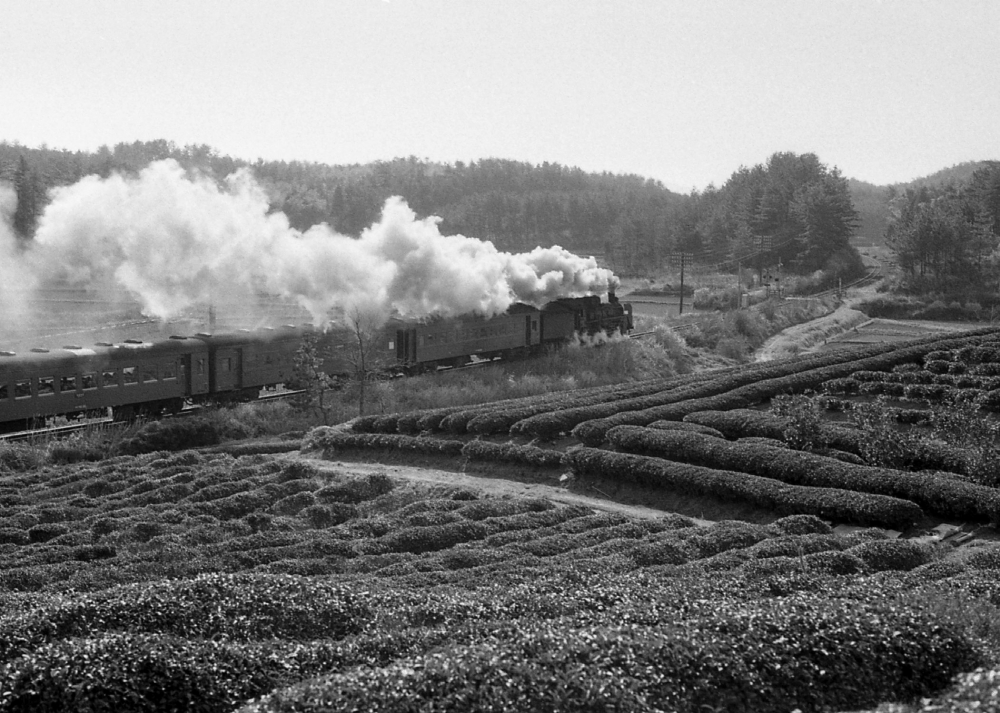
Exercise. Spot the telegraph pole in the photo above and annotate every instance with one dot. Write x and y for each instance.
(762, 244)
(684, 259)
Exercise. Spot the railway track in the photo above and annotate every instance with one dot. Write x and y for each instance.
(873, 276)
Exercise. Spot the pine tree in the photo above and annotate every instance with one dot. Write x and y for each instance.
(27, 190)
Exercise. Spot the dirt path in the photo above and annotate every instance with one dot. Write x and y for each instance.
(493, 486)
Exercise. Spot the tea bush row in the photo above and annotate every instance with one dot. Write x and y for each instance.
(789, 376)
(241, 607)
(828, 503)
(329, 440)
(945, 496)
(768, 656)
(550, 425)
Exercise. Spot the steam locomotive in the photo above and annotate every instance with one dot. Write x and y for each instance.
(137, 377)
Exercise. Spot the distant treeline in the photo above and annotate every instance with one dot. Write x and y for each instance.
(791, 209)
(946, 236)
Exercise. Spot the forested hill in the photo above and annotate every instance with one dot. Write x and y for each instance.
(873, 202)
(791, 207)
(517, 205)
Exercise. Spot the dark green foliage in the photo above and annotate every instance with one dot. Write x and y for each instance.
(881, 555)
(171, 435)
(827, 503)
(13, 536)
(767, 656)
(945, 496)
(356, 490)
(511, 453)
(19, 457)
(46, 531)
(757, 383)
(330, 440)
(89, 553)
(686, 426)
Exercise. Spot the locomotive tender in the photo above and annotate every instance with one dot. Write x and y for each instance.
(137, 377)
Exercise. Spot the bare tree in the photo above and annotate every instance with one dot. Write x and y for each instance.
(314, 381)
(369, 354)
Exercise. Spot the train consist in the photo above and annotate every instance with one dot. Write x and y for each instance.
(138, 377)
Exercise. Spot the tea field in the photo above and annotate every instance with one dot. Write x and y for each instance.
(236, 579)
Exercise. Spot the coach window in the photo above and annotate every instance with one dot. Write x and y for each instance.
(109, 378)
(46, 385)
(67, 384)
(226, 364)
(200, 367)
(22, 389)
(88, 381)
(169, 372)
(149, 373)
(129, 375)
(4, 392)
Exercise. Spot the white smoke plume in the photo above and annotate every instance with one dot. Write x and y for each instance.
(15, 282)
(174, 240)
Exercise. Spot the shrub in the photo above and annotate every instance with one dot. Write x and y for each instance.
(801, 525)
(511, 453)
(145, 531)
(13, 536)
(20, 457)
(46, 531)
(769, 656)
(881, 555)
(171, 435)
(89, 553)
(330, 515)
(946, 496)
(828, 503)
(356, 490)
(293, 504)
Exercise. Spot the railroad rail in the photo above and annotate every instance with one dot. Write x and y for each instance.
(875, 274)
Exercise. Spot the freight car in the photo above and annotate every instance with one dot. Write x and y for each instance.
(136, 377)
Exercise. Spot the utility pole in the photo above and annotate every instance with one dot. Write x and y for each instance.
(762, 244)
(684, 259)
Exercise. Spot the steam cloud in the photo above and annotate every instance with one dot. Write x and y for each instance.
(175, 240)
(15, 282)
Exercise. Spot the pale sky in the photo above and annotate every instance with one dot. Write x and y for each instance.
(685, 91)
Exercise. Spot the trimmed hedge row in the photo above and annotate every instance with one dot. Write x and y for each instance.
(850, 386)
(686, 426)
(771, 656)
(789, 376)
(431, 419)
(502, 421)
(744, 423)
(327, 438)
(498, 417)
(550, 425)
(922, 376)
(945, 496)
(828, 503)
(240, 607)
(512, 453)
